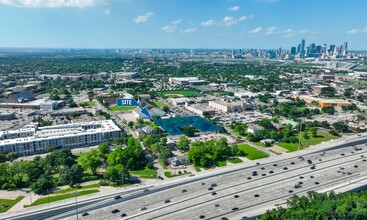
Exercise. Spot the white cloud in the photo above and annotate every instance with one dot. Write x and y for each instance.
(243, 18)
(208, 23)
(172, 27)
(234, 8)
(107, 12)
(188, 30)
(51, 3)
(143, 18)
(271, 30)
(293, 32)
(176, 22)
(357, 31)
(229, 21)
(256, 30)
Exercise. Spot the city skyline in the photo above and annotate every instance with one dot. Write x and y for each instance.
(262, 24)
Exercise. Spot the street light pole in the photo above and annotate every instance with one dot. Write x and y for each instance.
(76, 204)
(299, 136)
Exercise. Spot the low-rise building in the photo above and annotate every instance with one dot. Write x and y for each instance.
(186, 81)
(33, 139)
(225, 106)
(200, 109)
(7, 115)
(50, 105)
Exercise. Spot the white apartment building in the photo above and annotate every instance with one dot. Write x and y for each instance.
(33, 139)
(225, 106)
(51, 105)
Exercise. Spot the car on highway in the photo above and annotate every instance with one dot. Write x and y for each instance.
(292, 163)
(213, 185)
(143, 208)
(254, 173)
(214, 193)
(117, 197)
(123, 215)
(224, 218)
(85, 214)
(296, 186)
(146, 190)
(115, 211)
(216, 205)
(309, 161)
(313, 167)
(184, 190)
(202, 184)
(190, 175)
(285, 168)
(271, 171)
(202, 216)
(210, 188)
(235, 209)
(249, 178)
(236, 196)
(167, 201)
(301, 158)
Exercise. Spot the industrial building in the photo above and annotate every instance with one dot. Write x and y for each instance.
(226, 106)
(33, 139)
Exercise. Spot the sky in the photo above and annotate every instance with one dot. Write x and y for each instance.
(237, 24)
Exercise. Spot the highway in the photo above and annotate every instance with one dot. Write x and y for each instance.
(236, 193)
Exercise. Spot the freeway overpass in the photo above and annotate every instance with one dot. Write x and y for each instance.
(236, 192)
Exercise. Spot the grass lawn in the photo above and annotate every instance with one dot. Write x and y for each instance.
(259, 144)
(146, 173)
(235, 160)
(198, 168)
(8, 203)
(46, 199)
(87, 104)
(321, 136)
(122, 108)
(178, 93)
(220, 163)
(169, 175)
(160, 104)
(97, 185)
(274, 152)
(250, 152)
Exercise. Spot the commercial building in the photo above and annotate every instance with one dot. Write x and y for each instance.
(200, 109)
(324, 102)
(7, 115)
(225, 106)
(124, 75)
(186, 81)
(33, 139)
(50, 105)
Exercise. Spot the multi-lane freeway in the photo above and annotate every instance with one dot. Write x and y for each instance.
(233, 193)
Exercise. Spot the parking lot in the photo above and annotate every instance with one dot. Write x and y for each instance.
(242, 117)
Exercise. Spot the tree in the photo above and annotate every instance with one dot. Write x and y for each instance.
(117, 173)
(166, 109)
(329, 110)
(50, 149)
(90, 160)
(328, 91)
(340, 126)
(42, 185)
(189, 131)
(183, 143)
(313, 131)
(103, 150)
(71, 175)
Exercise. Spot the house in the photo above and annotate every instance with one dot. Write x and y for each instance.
(148, 129)
(171, 144)
(267, 141)
(253, 129)
(277, 126)
(178, 160)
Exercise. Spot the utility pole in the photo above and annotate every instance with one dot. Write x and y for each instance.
(299, 136)
(76, 204)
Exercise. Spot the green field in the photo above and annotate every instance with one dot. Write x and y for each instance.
(146, 173)
(220, 163)
(321, 136)
(178, 93)
(122, 108)
(97, 185)
(250, 152)
(160, 104)
(169, 175)
(87, 104)
(50, 199)
(7, 204)
(235, 160)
